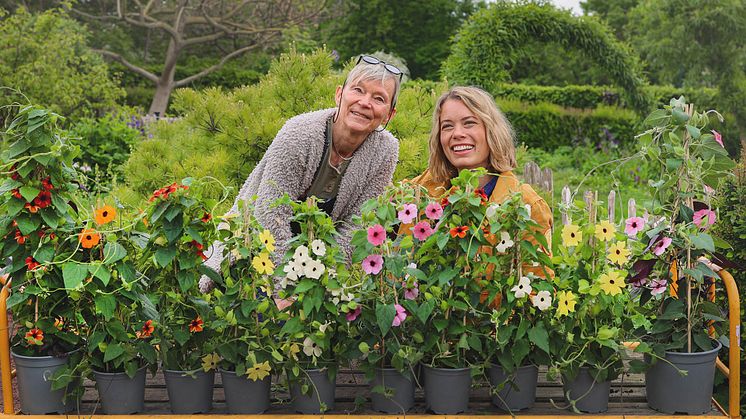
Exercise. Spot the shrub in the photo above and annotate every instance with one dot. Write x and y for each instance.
(105, 145)
(46, 57)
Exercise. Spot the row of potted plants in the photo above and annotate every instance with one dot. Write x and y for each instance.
(439, 290)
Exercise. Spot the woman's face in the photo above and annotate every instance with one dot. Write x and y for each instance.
(364, 105)
(463, 136)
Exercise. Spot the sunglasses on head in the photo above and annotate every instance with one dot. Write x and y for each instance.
(373, 60)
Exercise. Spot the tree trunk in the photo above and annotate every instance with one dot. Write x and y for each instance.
(165, 84)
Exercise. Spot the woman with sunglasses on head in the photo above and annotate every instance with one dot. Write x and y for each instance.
(342, 155)
(469, 131)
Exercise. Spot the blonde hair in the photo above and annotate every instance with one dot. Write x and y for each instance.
(499, 133)
(364, 71)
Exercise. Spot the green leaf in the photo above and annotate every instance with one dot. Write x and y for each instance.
(9, 185)
(73, 274)
(703, 241)
(406, 242)
(385, 316)
(475, 343)
(657, 118)
(163, 206)
(105, 305)
(440, 324)
(181, 336)
(305, 285)
(49, 217)
(113, 252)
(694, 132)
(29, 193)
(18, 147)
(44, 254)
(113, 351)
(674, 310)
(164, 256)
(27, 225)
(100, 272)
(539, 337)
(423, 312)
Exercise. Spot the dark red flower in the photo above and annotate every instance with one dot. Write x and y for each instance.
(444, 202)
(480, 193)
(207, 217)
(196, 244)
(31, 264)
(17, 194)
(43, 200)
(47, 184)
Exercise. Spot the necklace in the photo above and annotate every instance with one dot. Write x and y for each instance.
(340, 155)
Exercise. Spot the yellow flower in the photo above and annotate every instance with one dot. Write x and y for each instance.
(293, 350)
(611, 283)
(259, 371)
(618, 253)
(262, 264)
(267, 240)
(571, 235)
(566, 304)
(605, 231)
(210, 361)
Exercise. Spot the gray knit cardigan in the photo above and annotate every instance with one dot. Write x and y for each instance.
(289, 165)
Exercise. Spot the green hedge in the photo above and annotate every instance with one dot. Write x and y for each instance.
(548, 126)
(590, 97)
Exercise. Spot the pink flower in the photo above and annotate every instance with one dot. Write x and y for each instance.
(401, 315)
(408, 213)
(639, 284)
(434, 211)
(376, 235)
(352, 315)
(634, 226)
(699, 217)
(661, 246)
(718, 138)
(422, 230)
(412, 293)
(373, 264)
(658, 286)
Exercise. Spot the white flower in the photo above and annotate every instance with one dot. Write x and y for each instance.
(314, 269)
(523, 288)
(323, 327)
(318, 247)
(292, 270)
(528, 209)
(310, 348)
(505, 242)
(332, 272)
(492, 210)
(301, 254)
(542, 300)
(236, 254)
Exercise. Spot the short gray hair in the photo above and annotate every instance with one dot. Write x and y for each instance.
(364, 71)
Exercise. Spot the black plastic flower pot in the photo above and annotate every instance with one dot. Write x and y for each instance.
(245, 396)
(589, 395)
(670, 392)
(447, 389)
(34, 374)
(321, 390)
(189, 392)
(120, 394)
(399, 391)
(518, 390)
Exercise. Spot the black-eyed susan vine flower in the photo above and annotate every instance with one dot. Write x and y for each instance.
(263, 264)
(566, 302)
(89, 238)
(571, 235)
(618, 253)
(259, 371)
(605, 231)
(210, 362)
(267, 240)
(105, 214)
(611, 283)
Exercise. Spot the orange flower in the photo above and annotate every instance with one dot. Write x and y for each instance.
(17, 194)
(207, 217)
(31, 208)
(89, 238)
(147, 330)
(35, 337)
(196, 325)
(59, 323)
(105, 214)
(459, 231)
(20, 238)
(480, 193)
